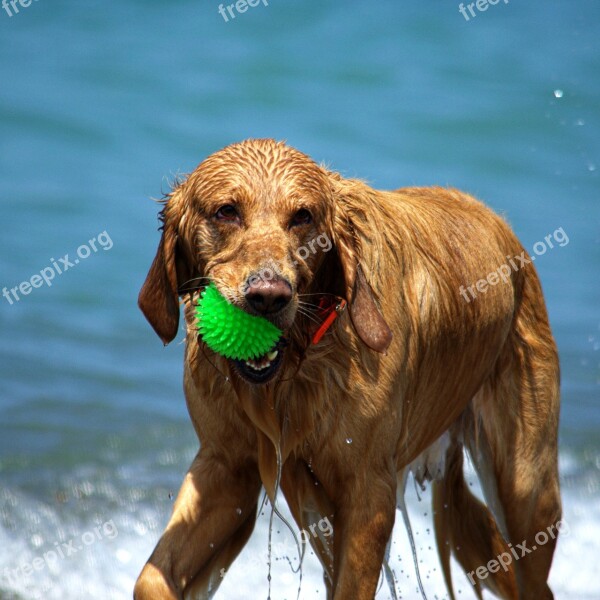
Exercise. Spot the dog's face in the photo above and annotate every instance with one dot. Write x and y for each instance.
(257, 219)
(259, 231)
(260, 224)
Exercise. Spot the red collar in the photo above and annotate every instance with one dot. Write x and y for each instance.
(330, 307)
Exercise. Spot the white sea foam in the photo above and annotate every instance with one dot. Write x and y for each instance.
(107, 568)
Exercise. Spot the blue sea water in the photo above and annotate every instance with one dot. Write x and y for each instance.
(102, 104)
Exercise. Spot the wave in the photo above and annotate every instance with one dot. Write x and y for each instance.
(93, 539)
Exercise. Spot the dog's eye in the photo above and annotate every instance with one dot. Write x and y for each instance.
(302, 217)
(227, 212)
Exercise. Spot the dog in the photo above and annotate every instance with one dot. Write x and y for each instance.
(406, 378)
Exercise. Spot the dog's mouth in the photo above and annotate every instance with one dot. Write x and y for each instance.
(262, 369)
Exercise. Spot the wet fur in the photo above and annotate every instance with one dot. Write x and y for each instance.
(409, 361)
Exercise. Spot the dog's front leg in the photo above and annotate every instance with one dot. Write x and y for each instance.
(212, 520)
(363, 525)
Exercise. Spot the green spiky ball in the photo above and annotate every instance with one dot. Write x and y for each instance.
(230, 331)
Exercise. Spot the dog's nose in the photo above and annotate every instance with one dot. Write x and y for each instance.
(268, 296)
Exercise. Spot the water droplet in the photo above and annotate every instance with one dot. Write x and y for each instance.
(211, 545)
(348, 440)
(170, 495)
(238, 511)
(558, 93)
(123, 556)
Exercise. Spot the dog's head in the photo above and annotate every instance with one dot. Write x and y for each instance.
(267, 225)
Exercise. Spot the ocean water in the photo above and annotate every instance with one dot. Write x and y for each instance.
(102, 104)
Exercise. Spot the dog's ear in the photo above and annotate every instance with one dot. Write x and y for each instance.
(366, 317)
(159, 296)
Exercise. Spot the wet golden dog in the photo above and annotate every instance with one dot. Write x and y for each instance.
(403, 380)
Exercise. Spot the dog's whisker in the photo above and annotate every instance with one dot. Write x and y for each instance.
(198, 278)
(304, 303)
(308, 315)
(314, 294)
(183, 287)
(310, 308)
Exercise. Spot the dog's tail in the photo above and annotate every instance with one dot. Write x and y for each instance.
(465, 527)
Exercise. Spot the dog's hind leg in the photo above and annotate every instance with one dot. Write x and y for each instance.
(514, 444)
(515, 454)
(465, 528)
